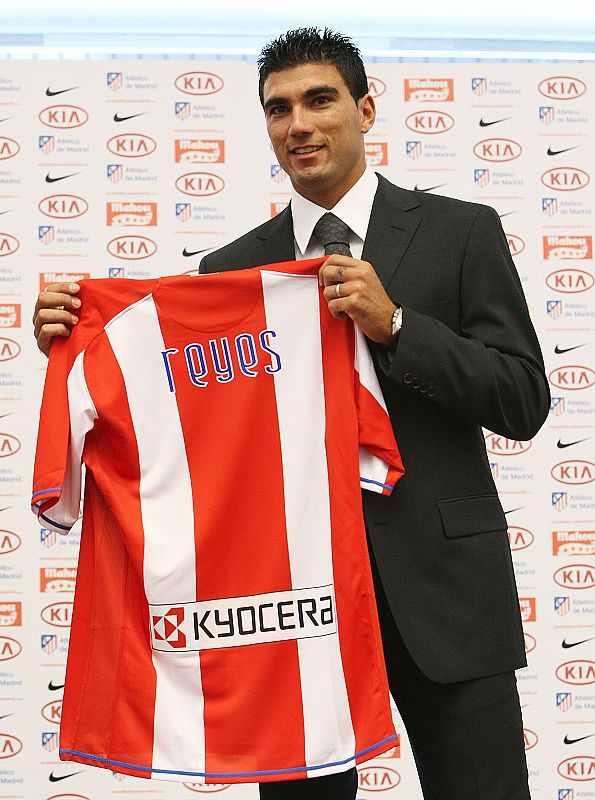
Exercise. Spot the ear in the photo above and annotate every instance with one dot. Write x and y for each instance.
(367, 112)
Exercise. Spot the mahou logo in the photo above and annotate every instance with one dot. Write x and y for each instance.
(200, 184)
(58, 614)
(11, 614)
(52, 711)
(132, 145)
(530, 643)
(47, 278)
(9, 745)
(57, 579)
(567, 248)
(137, 213)
(430, 122)
(565, 179)
(62, 116)
(10, 315)
(577, 673)
(497, 150)
(516, 245)
(9, 445)
(575, 576)
(8, 244)
(530, 737)
(133, 248)
(9, 648)
(573, 378)
(376, 86)
(8, 148)
(9, 349)
(199, 83)
(206, 788)
(519, 538)
(562, 87)
(574, 473)
(429, 90)
(528, 609)
(377, 154)
(578, 768)
(63, 206)
(501, 446)
(378, 779)
(203, 151)
(570, 281)
(9, 542)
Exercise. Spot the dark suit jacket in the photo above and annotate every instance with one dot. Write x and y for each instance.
(467, 357)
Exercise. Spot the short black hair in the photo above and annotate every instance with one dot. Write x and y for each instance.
(311, 45)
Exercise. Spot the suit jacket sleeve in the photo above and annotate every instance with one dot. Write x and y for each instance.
(484, 363)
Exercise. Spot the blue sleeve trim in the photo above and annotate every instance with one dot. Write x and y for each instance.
(377, 483)
(45, 491)
(55, 524)
(125, 764)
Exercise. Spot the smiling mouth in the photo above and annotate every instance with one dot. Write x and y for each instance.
(306, 150)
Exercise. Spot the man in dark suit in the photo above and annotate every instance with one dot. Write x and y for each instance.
(430, 282)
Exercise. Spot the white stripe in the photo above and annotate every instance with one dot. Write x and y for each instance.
(292, 311)
(168, 522)
(364, 367)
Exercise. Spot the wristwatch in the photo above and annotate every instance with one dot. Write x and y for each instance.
(396, 322)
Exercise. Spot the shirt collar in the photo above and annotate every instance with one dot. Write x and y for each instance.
(354, 209)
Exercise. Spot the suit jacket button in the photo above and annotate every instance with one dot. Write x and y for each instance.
(416, 383)
(431, 391)
(407, 377)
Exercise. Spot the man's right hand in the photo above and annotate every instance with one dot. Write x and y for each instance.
(55, 313)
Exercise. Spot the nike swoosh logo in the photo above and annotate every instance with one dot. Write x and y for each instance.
(56, 778)
(429, 189)
(506, 214)
(562, 445)
(580, 739)
(6, 508)
(53, 687)
(551, 152)
(566, 644)
(188, 253)
(118, 118)
(49, 92)
(5, 212)
(5, 119)
(485, 124)
(6, 715)
(560, 350)
(48, 179)
(510, 511)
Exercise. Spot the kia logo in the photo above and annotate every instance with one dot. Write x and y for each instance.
(8, 244)
(378, 779)
(579, 768)
(63, 206)
(573, 378)
(131, 145)
(501, 446)
(207, 788)
(58, 614)
(63, 116)
(199, 83)
(68, 797)
(570, 281)
(9, 349)
(376, 86)
(52, 711)
(519, 538)
(9, 648)
(200, 184)
(530, 737)
(497, 150)
(565, 179)
(515, 244)
(530, 643)
(9, 541)
(574, 473)
(9, 445)
(575, 576)
(562, 87)
(577, 673)
(430, 122)
(8, 148)
(133, 248)
(9, 745)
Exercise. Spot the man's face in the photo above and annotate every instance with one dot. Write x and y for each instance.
(316, 129)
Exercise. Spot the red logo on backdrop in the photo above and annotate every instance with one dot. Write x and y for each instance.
(376, 86)
(9, 445)
(430, 122)
(8, 244)
(11, 614)
(565, 179)
(567, 247)
(277, 208)
(515, 244)
(206, 788)
(575, 576)
(62, 116)
(378, 779)
(530, 737)
(10, 315)
(48, 278)
(8, 148)
(9, 745)
(501, 446)
(131, 214)
(377, 154)
(63, 206)
(577, 673)
(199, 83)
(9, 648)
(68, 797)
(204, 151)
(528, 609)
(52, 711)
(573, 377)
(562, 87)
(574, 473)
(9, 541)
(570, 281)
(200, 184)
(133, 248)
(131, 145)
(530, 643)
(497, 150)
(9, 349)
(428, 90)
(519, 538)
(58, 614)
(578, 768)
(573, 543)
(57, 579)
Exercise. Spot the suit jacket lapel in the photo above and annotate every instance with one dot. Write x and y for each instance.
(393, 222)
(274, 241)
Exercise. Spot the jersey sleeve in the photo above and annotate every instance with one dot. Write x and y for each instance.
(379, 457)
(67, 415)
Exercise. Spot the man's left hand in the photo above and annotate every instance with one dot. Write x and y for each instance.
(359, 295)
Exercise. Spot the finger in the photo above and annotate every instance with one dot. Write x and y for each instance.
(337, 308)
(56, 300)
(51, 316)
(47, 335)
(330, 292)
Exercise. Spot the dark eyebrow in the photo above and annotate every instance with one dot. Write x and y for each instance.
(313, 92)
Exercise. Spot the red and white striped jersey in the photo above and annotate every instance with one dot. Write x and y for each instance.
(224, 627)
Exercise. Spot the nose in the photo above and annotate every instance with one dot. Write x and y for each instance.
(301, 123)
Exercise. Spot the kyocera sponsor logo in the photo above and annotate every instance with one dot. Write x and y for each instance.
(9, 445)
(8, 148)
(199, 83)
(530, 643)
(562, 87)
(62, 116)
(200, 184)
(63, 206)
(376, 86)
(519, 538)
(573, 377)
(577, 673)
(378, 779)
(578, 768)
(497, 149)
(9, 648)
(57, 614)
(565, 179)
(530, 737)
(574, 473)
(9, 541)
(52, 711)
(8, 244)
(377, 154)
(428, 90)
(132, 248)
(430, 122)
(570, 281)
(9, 745)
(501, 446)
(11, 614)
(515, 244)
(132, 145)
(575, 576)
(567, 247)
(207, 788)
(9, 349)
